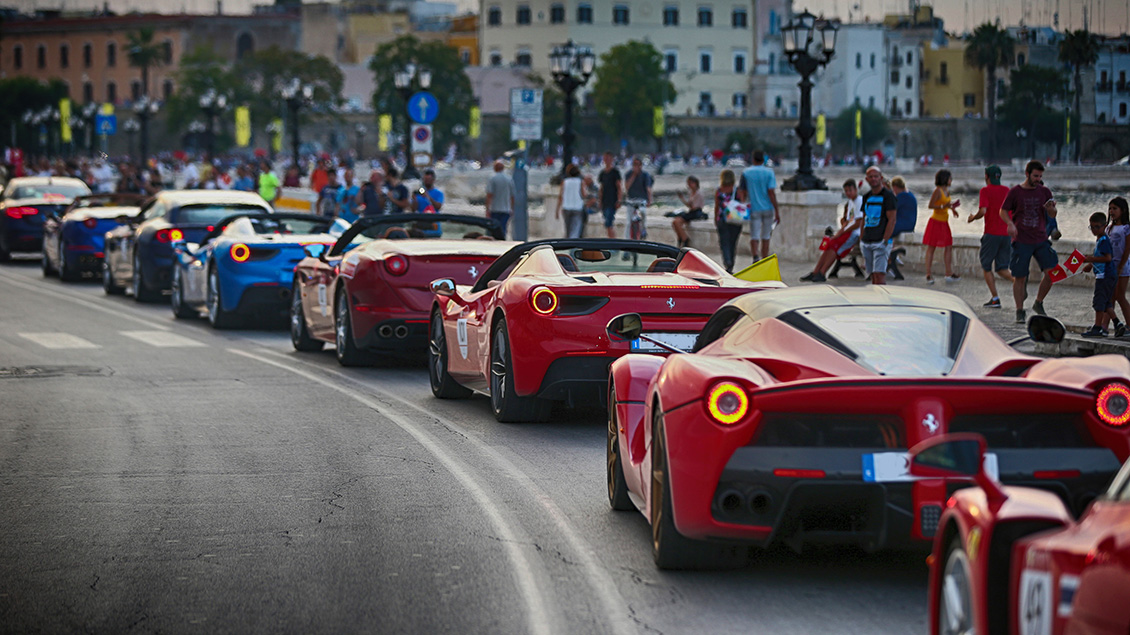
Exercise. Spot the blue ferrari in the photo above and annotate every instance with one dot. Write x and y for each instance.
(244, 267)
(74, 241)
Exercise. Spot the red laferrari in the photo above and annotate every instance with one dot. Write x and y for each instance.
(369, 294)
(531, 330)
(791, 420)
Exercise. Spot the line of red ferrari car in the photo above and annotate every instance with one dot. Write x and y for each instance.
(745, 413)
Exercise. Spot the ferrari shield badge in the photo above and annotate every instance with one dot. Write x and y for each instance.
(461, 336)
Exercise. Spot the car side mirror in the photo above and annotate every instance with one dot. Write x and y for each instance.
(958, 456)
(446, 288)
(625, 328)
(123, 219)
(316, 250)
(1045, 329)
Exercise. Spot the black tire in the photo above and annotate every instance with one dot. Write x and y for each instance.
(507, 406)
(65, 273)
(48, 269)
(218, 317)
(299, 335)
(108, 284)
(142, 293)
(955, 614)
(443, 385)
(344, 347)
(671, 549)
(617, 487)
(181, 310)
(5, 255)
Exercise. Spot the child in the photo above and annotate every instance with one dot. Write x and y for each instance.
(843, 241)
(937, 232)
(694, 202)
(1119, 231)
(1105, 276)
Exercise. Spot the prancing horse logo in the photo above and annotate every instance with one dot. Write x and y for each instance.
(670, 303)
(931, 423)
(473, 271)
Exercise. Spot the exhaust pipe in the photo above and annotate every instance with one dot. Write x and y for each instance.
(731, 501)
(401, 331)
(385, 331)
(760, 503)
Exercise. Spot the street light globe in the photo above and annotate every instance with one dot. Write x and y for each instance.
(425, 78)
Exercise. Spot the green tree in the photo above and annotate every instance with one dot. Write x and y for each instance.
(1079, 48)
(449, 85)
(987, 48)
(144, 53)
(200, 71)
(1029, 103)
(20, 95)
(630, 83)
(266, 71)
(873, 124)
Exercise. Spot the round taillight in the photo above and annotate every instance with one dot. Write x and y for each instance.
(175, 235)
(90, 223)
(544, 300)
(396, 264)
(240, 252)
(727, 402)
(1113, 404)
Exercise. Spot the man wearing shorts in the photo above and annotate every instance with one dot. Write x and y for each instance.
(1025, 211)
(842, 242)
(758, 187)
(879, 215)
(611, 192)
(996, 246)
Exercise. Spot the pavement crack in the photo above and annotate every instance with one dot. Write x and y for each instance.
(95, 583)
(644, 625)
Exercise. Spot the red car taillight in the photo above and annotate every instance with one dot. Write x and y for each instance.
(20, 212)
(90, 223)
(169, 235)
(1113, 405)
(727, 402)
(396, 265)
(240, 252)
(543, 300)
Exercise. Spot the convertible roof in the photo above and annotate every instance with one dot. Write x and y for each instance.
(774, 302)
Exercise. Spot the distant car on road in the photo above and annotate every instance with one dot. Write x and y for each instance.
(74, 241)
(139, 252)
(24, 204)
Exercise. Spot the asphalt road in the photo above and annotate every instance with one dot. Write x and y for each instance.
(156, 475)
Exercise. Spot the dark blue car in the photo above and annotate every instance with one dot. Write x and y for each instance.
(26, 201)
(73, 242)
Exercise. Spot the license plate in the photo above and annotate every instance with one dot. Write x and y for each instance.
(681, 341)
(889, 467)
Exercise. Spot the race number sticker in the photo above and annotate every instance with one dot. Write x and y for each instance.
(322, 302)
(461, 336)
(1035, 610)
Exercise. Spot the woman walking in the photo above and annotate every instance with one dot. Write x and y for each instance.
(728, 233)
(571, 199)
(938, 232)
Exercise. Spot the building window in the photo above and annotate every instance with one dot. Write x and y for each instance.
(772, 63)
(18, 57)
(620, 14)
(465, 55)
(943, 73)
(895, 78)
(895, 53)
(584, 13)
(739, 19)
(859, 60)
(556, 13)
(41, 56)
(167, 51)
(705, 16)
(523, 58)
(778, 103)
(111, 92)
(774, 25)
(1121, 78)
(111, 55)
(523, 15)
(244, 46)
(167, 89)
(670, 60)
(871, 102)
(1020, 59)
(894, 107)
(64, 56)
(670, 16)
(909, 58)
(909, 82)
(494, 16)
(705, 59)
(970, 100)
(495, 58)
(705, 104)
(909, 108)
(87, 92)
(1122, 109)
(739, 102)
(135, 90)
(739, 63)
(872, 60)
(87, 56)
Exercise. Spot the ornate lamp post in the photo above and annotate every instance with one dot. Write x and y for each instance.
(145, 108)
(54, 141)
(571, 66)
(674, 132)
(798, 38)
(88, 114)
(212, 103)
(360, 129)
(408, 81)
(296, 95)
(196, 128)
(131, 127)
(905, 134)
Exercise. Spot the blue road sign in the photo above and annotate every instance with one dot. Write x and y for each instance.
(423, 107)
(106, 124)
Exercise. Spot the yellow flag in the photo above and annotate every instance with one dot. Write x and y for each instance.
(384, 127)
(475, 129)
(1067, 141)
(242, 126)
(821, 129)
(276, 138)
(107, 108)
(521, 144)
(657, 121)
(858, 123)
(65, 120)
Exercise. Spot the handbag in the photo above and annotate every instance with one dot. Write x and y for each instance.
(735, 212)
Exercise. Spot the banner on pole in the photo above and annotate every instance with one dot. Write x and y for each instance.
(384, 128)
(242, 126)
(276, 138)
(858, 123)
(821, 129)
(475, 129)
(65, 120)
(657, 122)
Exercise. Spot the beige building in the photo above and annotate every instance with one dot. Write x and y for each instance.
(707, 46)
(950, 88)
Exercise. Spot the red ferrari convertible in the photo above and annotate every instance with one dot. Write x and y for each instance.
(531, 330)
(791, 420)
(369, 293)
(1014, 559)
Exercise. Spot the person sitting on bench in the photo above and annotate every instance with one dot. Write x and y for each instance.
(840, 244)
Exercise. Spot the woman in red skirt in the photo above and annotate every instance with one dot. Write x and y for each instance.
(938, 227)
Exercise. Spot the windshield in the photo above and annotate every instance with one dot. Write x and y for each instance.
(897, 341)
(213, 213)
(396, 229)
(49, 191)
(281, 225)
(622, 260)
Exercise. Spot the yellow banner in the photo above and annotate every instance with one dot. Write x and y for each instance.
(821, 129)
(384, 127)
(858, 123)
(276, 138)
(242, 126)
(521, 144)
(65, 120)
(1067, 141)
(657, 121)
(475, 129)
(107, 108)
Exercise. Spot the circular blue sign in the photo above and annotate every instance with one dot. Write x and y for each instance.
(423, 107)
(422, 134)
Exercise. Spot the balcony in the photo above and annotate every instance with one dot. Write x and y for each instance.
(1122, 87)
(1103, 87)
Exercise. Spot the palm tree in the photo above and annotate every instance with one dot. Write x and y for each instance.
(144, 53)
(1079, 48)
(988, 48)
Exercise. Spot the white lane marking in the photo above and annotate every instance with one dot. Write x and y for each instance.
(603, 585)
(77, 300)
(537, 611)
(58, 340)
(160, 339)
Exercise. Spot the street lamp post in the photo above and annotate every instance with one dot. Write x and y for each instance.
(196, 128)
(673, 132)
(54, 139)
(905, 134)
(571, 66)
(275, 129)
(457, 131)
(408, 81)
(131, 127)
(798, 37)
(212, 104)
(89, 114)
(145, 108)
(296, 95)
(360, 129)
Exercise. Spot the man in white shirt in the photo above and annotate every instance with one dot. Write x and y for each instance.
(842, 242)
